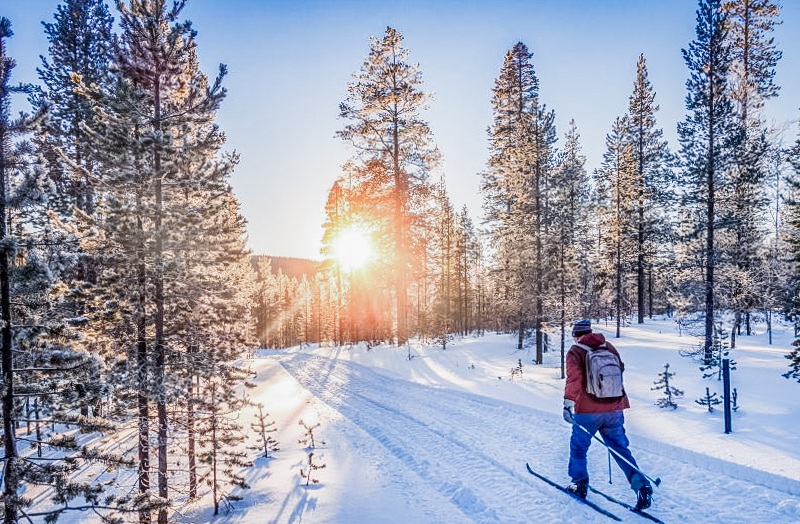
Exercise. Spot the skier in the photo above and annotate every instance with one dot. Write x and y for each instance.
(589, 413)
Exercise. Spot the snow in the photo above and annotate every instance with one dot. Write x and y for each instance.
(444, 437)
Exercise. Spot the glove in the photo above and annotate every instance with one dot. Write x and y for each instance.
(569, 410)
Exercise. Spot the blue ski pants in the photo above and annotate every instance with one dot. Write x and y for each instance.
(611, 428)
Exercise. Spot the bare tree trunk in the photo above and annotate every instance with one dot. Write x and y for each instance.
(191, 437)
(142, 398)
(11, 480)
(38, 427)
(160, 349)
(619, 249)
(710, 253)
(650, 291)
(214, 447)
(563, 304)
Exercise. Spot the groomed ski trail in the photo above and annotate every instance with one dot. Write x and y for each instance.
(464, 462)
(471, 450)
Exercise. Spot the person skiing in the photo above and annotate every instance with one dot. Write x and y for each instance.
(593, 401)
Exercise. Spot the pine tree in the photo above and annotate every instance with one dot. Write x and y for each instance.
(777, 263)
(707, 136)
(308, 473)
(80, 48)
(361, 203)
(467, 254)
(219, 433)
(709, 401)
(39, 361)
(169, 219)
(616, 196)
(515, 191)
(80, 40)
(792, 219)
(754, 56)
(754, 53)
(570, 212)
(15, 172)
(263, 427)
(652, 160)
(720, 350)
(383, 105)
(445, 258)
(336, 218)
(670, 391)
(308, 440)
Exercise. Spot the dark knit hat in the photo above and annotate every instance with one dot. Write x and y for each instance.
(581, 327)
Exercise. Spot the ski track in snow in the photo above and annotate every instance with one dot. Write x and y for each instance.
(471, 450)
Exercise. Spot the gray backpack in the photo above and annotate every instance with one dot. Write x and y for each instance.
(603, 374)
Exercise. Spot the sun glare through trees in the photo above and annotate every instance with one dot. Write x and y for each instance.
(353, 248)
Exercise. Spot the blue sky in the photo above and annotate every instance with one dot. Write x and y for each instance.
(289, 63)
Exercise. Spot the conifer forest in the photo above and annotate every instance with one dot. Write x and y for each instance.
(130, 301)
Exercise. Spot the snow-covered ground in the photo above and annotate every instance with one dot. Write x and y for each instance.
(444, 437)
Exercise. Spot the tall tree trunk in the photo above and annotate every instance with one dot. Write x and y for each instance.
(143, 404)
(191, 437)
(563, 303)
(619, 248)
(142, 379)
(539, 270)
(160, 350)
(214, 447)
(11, 480)
(466, 288)
(38, 427)
(650, 290)
(708, 353)
(640, 283)
(640, 246)
(401, 196)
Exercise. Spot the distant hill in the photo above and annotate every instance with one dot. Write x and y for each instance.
(292, 267)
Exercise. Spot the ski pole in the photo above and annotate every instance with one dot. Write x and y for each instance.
(657, 481)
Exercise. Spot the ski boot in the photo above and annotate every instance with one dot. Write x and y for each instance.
(579, 488)
(644, 498)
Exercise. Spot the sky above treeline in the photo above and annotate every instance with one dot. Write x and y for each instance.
(290, 61)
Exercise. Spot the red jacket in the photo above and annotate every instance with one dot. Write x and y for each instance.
(576, 378)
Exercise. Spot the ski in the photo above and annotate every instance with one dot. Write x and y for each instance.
(626, 505)
(565, 490)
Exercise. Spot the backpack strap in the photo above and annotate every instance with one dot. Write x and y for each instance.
(590, 348)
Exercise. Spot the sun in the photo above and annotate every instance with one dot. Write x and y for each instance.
(353, 248)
